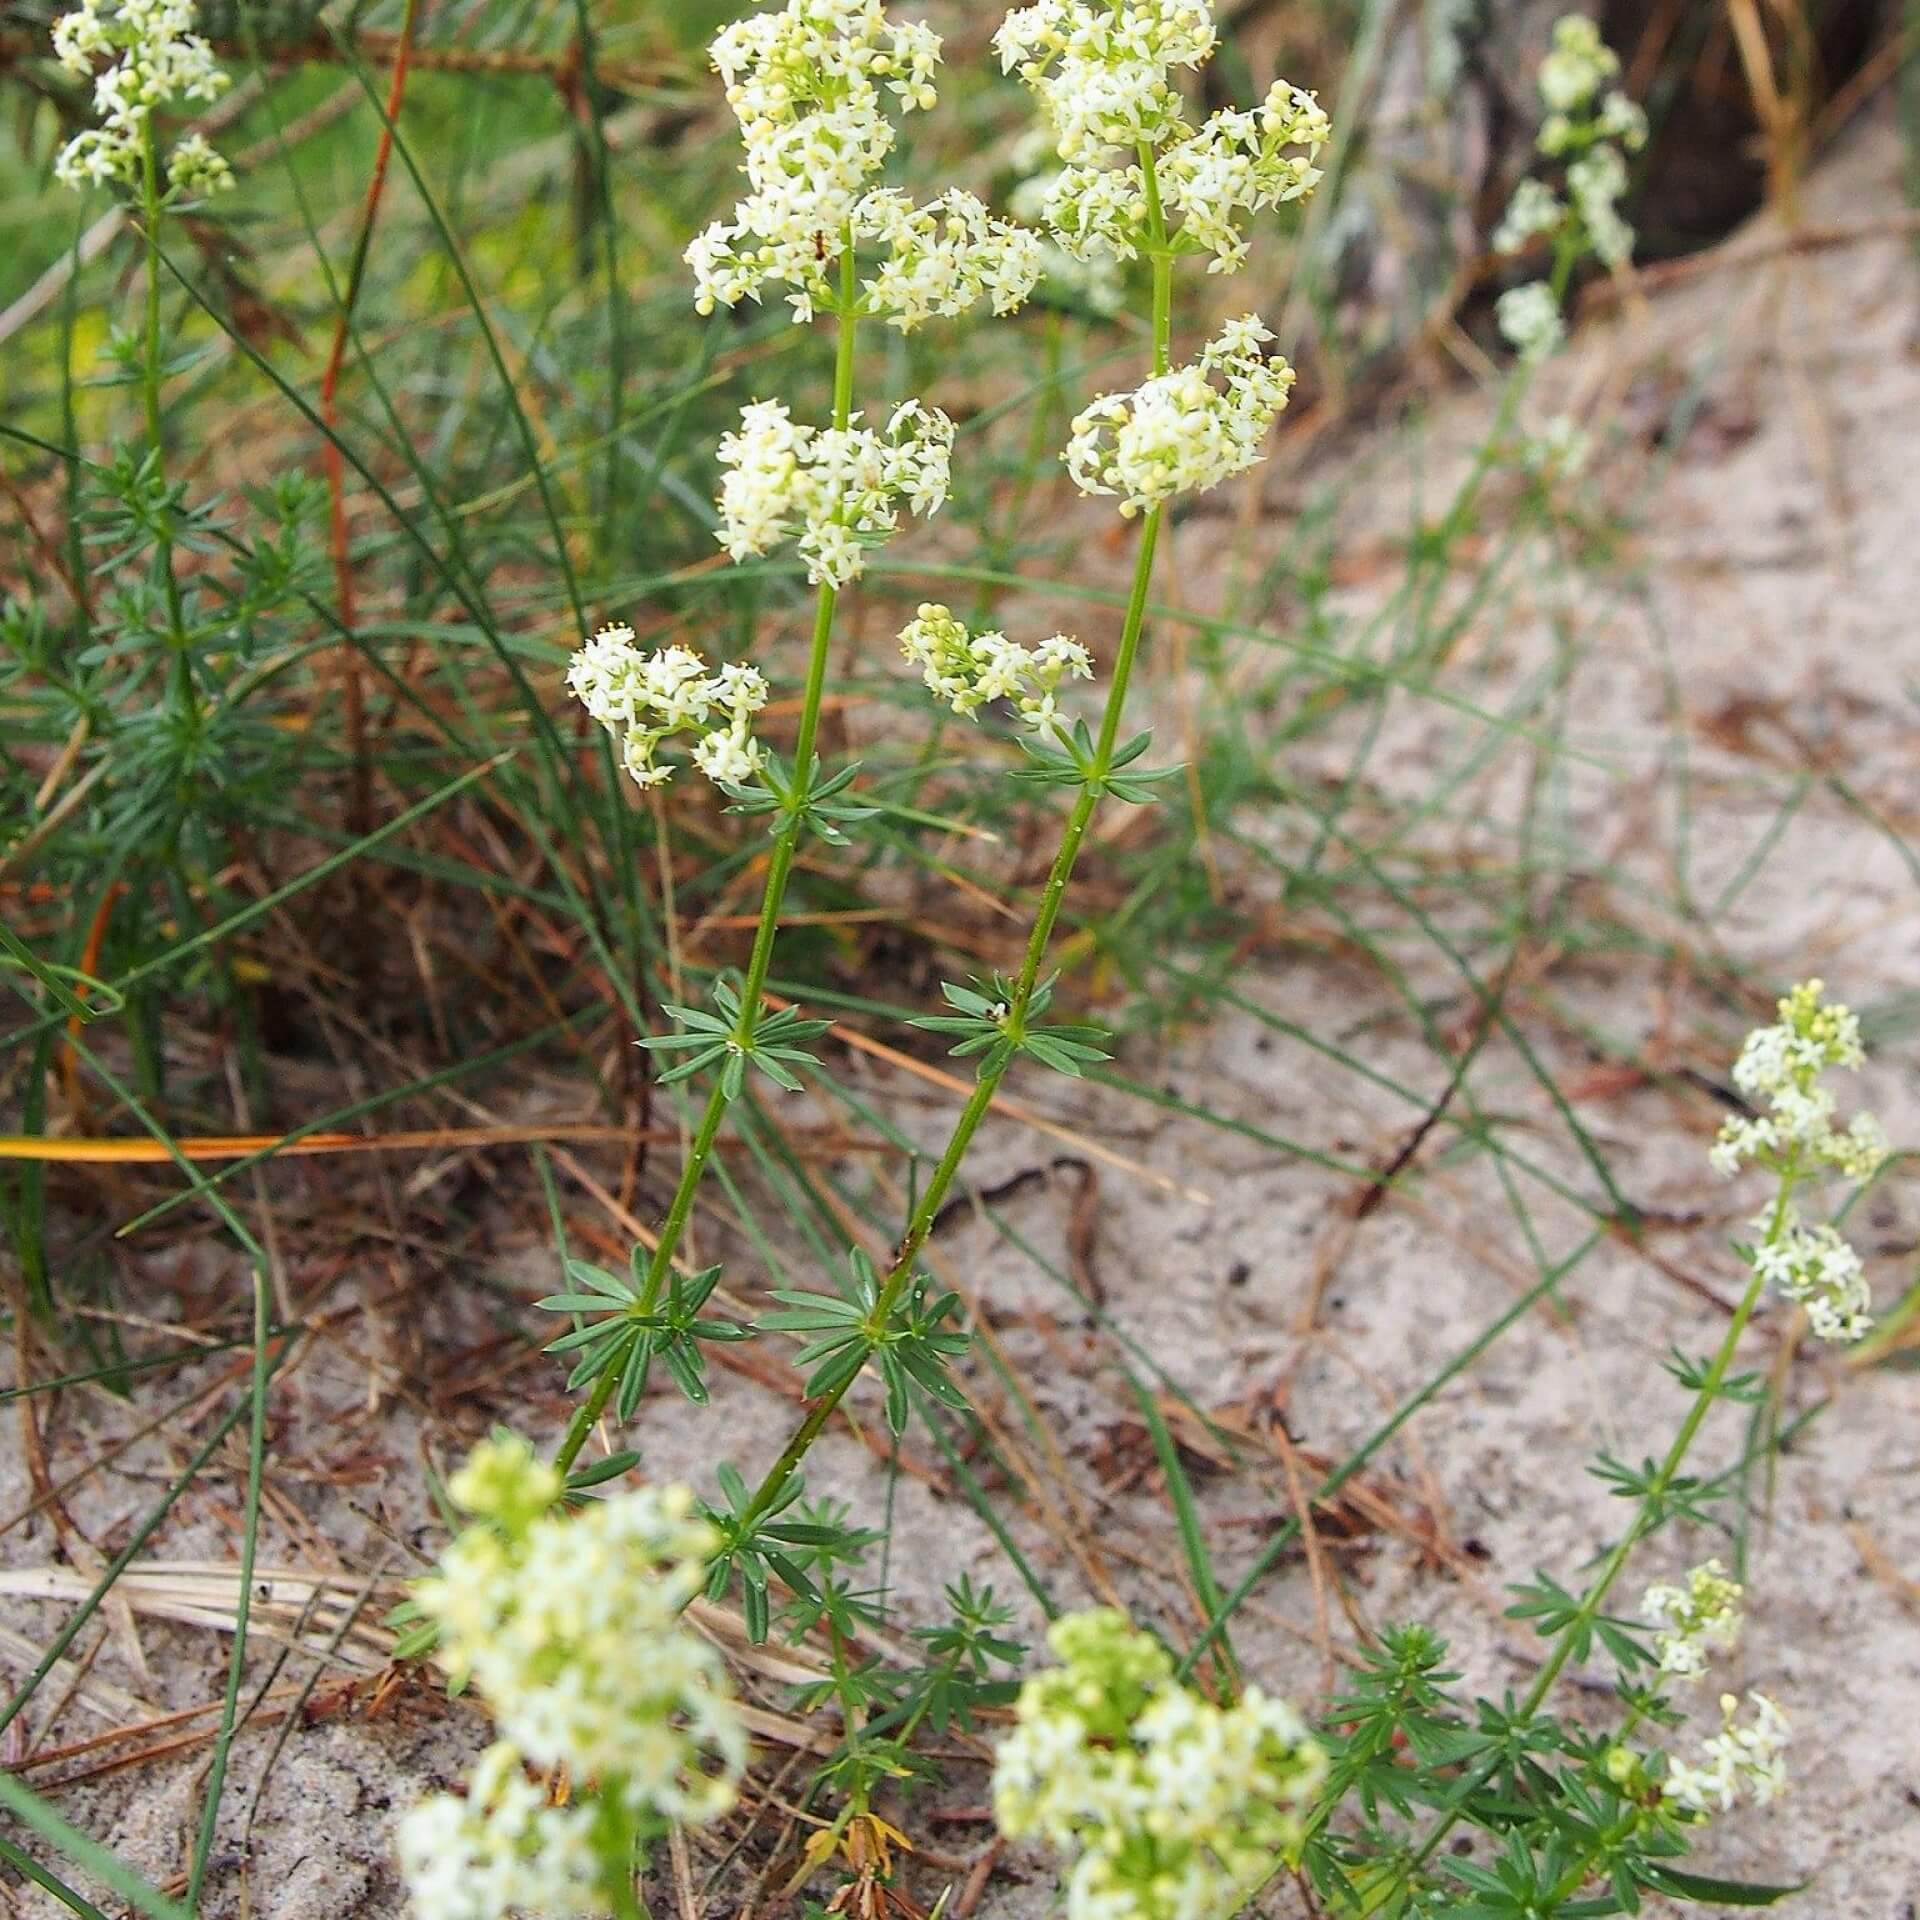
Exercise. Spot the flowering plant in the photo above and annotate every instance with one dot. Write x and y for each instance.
(1588, 129)
(569, 1625)
(1170, 1806)
(154, 58)
(1167, 1803)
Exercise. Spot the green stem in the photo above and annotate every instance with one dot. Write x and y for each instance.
(766, 934)
(1617, 1835)
(1053, 897)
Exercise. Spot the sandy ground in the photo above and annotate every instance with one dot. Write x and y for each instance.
(1754, 633)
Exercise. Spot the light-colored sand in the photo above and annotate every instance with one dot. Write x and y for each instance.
(1763, 624)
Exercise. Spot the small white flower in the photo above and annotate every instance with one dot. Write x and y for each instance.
(159, 59)
(645, 698)
(1817, 1268)
(1174, 1808)
(1578, 66)
(812, 85)
(839, 490)
(1104, 70)
(1736, 1760)
(502, 1850)
(1623, 120)
(1187, 430)
(1703, 1614)
(1780, 1068)
(969, 670)
(196, 170)
(569, 1625)
(942, 259)
(1529, 320)
(1534, 209)
(1596, 181)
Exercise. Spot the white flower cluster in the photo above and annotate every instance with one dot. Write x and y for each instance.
(1780, 1068)
(1103, 68)
(1092, 280)
(1815, 1267)
(156, 59)
(569, 1623)
(645, 698)
(840, 490)
(1212, 180)
(944, 258)
(967, 670)
(1736, 1760)
(1529, 320)
(1577, 66)
(501, 1850)
(1174, 1808)
(1534, 209)
(1592, 131)
(1104, 77)
(1703, 1614)
(808, 85)
(1183, 431)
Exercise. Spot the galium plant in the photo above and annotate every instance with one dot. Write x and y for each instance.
(569, 1624)
(1588, 129)
(158, 673)
(1577, 1821)
(1171, 1806)
(816, 86)
(1106, 79)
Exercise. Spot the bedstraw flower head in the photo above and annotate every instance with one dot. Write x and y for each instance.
(1529, 320)
(155, 59)
(840, 490)
(1104, 69)
(1737, 1760)
(1703, 1614)
(1796, 1134)
(1187, 430)
(969, 670)
(645, 698)
(1173, 1808)
(1578, 66)
(812, 86)
(1780, 1069)
(500, 1850)
(1105, 78)
(1818, 1270)
(569, 1624)
(1534, 209)
(941, 260)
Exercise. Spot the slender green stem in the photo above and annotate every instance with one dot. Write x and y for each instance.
(150, 224)
(1052, 898)
(786, 845)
